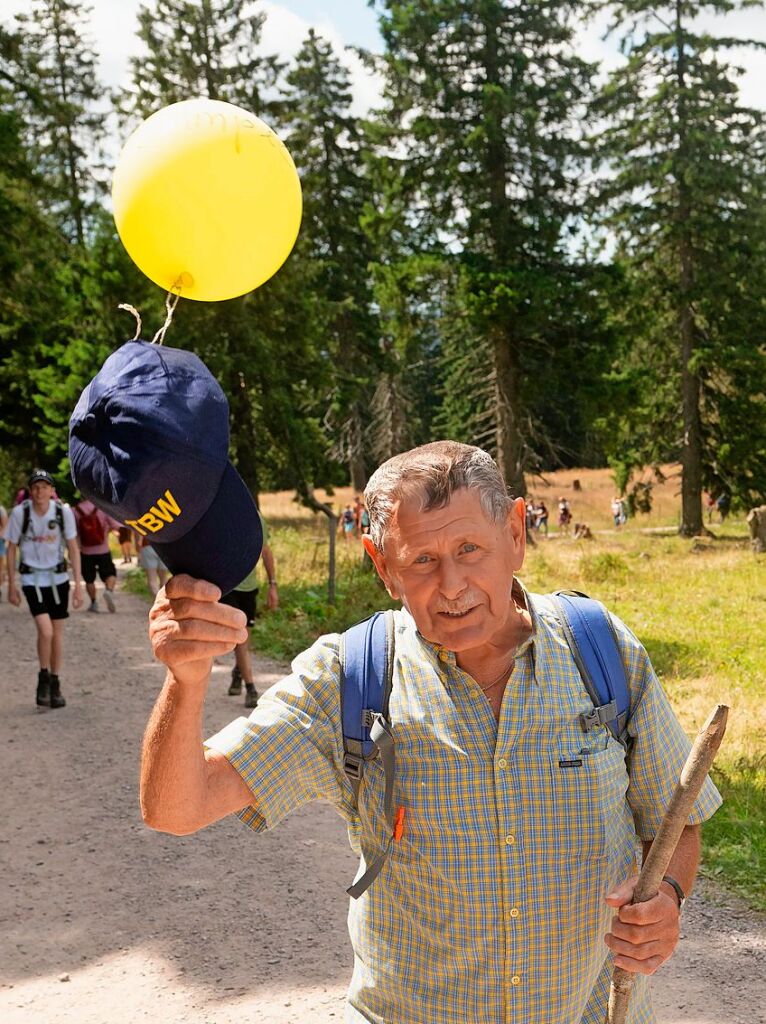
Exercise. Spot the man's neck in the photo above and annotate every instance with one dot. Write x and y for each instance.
(484, 662)
(40, 508)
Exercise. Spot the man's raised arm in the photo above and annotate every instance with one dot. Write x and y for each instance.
(183, 787)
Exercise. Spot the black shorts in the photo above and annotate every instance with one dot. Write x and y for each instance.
(48, 606)
(244, 600)
(103, 563)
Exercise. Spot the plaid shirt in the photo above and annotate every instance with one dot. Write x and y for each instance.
(490, 909)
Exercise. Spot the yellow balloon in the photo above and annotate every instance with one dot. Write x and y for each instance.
(207, 200)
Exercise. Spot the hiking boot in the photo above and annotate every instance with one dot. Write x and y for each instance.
(251, 696)
(57, 701)
(94, 607)
(43, 688)
(235, 687)
(109, 601)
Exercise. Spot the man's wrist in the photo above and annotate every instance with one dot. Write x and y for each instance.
(678, 892)
(272, 583)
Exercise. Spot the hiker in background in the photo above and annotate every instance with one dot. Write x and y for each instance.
(347, 522)
(42, 529)
(530, 515)
(3, 524)
(619, 513)
(541, 517)
(125, 540)
(93, 528)
(565, 515)
(244, 597)
(156, 571)
(723, 504)
(511, 839)
(364, 521)
(357, 510)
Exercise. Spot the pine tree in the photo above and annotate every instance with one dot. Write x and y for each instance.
(483, 99)
(327, 144)
(61, 100)
(685, 198)
(208, 48)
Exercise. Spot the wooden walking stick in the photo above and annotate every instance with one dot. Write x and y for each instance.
(663, 847)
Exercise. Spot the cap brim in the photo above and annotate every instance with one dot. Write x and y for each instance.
(225, 544)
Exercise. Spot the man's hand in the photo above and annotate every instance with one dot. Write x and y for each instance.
(77, 595)
(14, 594)
(272, 598)
(643, 935)
(188, 628)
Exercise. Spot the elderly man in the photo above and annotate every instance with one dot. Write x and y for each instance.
(520, 829)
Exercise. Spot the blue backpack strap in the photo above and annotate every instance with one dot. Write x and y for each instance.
(366, 675)
(592, 640)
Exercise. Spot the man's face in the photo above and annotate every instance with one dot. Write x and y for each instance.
(453, 568)
(41, 492)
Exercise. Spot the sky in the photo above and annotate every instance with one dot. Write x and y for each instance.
(353, 23)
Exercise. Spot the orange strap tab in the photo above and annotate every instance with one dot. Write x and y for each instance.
(398, 824)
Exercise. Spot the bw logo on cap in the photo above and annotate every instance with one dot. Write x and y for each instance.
(149, 444)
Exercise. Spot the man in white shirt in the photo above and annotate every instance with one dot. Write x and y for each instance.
(42, 528)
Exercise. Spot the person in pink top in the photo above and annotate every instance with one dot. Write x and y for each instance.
(93, 528)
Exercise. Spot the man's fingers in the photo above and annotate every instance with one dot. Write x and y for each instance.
(187, 586)
(644, 951)
(184, 609)
(198, 629)
(639, 966)
(184, 651)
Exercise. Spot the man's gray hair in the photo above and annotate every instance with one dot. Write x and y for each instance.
(433, 472)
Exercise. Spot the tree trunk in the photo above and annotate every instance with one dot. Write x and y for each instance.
(756, 520)
(356, 467)
(245, 434)
(311, 501)
(691, 451)
(504, 347)
(510, 446)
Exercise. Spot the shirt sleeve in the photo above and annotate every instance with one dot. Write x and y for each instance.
(290, 750)
(70, 524)
(659, 745)
(13, 529)
(113, 524)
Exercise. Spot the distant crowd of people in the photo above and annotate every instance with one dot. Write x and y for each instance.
(354, 520)
(41, 534)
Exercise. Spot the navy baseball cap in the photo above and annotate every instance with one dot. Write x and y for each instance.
(40, 476)
(149, 445)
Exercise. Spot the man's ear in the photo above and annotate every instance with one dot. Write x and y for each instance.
(517, 524)
(379, 562)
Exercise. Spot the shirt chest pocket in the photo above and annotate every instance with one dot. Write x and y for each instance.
(433, 788)
(585, 805)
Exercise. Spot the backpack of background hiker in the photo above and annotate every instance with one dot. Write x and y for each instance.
(25, 523)
(366, 680)
(91, 527)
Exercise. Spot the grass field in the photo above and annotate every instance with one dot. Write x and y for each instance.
(699, 607)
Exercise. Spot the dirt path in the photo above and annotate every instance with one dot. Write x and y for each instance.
(104, 921)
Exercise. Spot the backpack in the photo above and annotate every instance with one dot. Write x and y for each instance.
(91, 527)
(366, 678)
(26, 520)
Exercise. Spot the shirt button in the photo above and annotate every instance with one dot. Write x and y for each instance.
(515, 980)
(502, 763)
(514, 911)
(510, 840)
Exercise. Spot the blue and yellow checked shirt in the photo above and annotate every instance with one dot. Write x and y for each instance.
(490, 909)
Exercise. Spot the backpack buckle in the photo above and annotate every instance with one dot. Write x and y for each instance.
(352, 766)
(598, 716)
